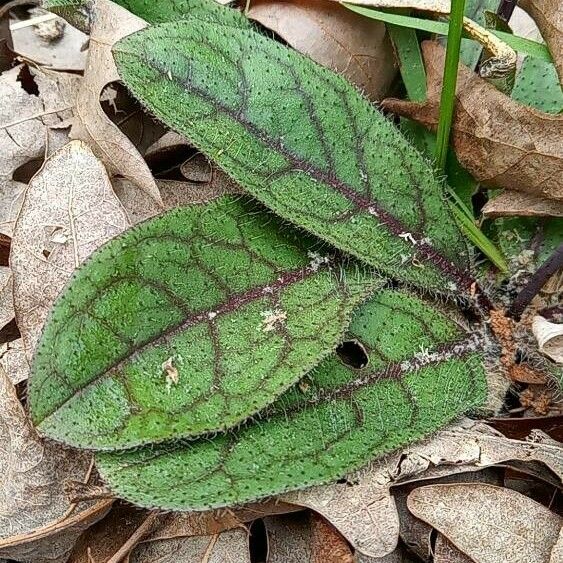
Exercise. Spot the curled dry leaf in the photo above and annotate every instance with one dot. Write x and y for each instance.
(110, 23)
(6, 298)
(30, 128)
(36, 520)
(230, 546)
(548, 15)
(500, 142)
(550, 338)
(364, 511)
(346, 42)
(69, 210)
(488, 523)
(521, 204)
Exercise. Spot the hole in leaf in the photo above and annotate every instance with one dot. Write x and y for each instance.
(25, 78)
(353, 354)
(26, 171)
(258, 542)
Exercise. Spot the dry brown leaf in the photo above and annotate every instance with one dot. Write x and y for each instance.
(6, 296)
(488, 523)
(205, 182)
(548, 15)
(33, 42)
(446, 552)
(30, 128)
(110, 23)
(500, 142)
(363, 510)
(557, 551)
(346, 42)
(14, 361)
(520, 204)
(69, 210)
(36, 521)
(230, 546)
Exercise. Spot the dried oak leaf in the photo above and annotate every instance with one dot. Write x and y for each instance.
(520, 204)
(305, 538)
(31, 127)
(110, 23)
(230, 546)
(548, 15)
(69, 210)
(350, 44)
(37, 522)
(499, 141)
(363, 509)
(13, 360)
(488, 523)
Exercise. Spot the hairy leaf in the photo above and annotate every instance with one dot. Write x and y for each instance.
(303, 141)
(185, 324)
(423, 370)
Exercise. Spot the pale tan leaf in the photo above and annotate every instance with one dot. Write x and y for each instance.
(14, 361)
(520, 204)
(548, 15)
(230, 546)
(488, 523)
(6, 296)
(37, 521)
(346, 42)
(30, 128)
(500, 142)
(110, 23)
(557, 551)
(69, 210)
(54, 44)
(446, 552)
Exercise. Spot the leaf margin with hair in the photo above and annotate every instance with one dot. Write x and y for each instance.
(270, 166)
(277, 453)
(127, 336)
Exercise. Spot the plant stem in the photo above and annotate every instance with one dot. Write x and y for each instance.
(447, 100)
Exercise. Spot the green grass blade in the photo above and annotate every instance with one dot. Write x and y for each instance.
(519, 44)
(447, 98)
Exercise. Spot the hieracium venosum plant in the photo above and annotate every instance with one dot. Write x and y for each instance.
(228, 351)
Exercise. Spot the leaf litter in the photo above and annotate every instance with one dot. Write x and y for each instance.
(362, 509)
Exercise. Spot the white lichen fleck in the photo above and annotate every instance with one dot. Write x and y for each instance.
(272, 319)
(408, 237)
(317, 260)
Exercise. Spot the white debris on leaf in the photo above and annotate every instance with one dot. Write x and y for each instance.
(172, 375)
(408, 237)
(272, 319)
(317, 260)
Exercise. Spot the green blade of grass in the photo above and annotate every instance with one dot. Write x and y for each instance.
(519, 44)
(447, 98)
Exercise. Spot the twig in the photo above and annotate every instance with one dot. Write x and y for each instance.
(135, 538)
(537, 281)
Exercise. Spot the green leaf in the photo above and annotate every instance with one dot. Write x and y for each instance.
(521, 44)
(424, 370)
(186, 324)
(174, 10)
(301, 140)
(537, 85)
